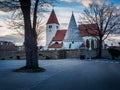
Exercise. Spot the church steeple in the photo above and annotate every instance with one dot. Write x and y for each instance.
(73, 33)
(51, 27)
(53, 19)
(72, 39)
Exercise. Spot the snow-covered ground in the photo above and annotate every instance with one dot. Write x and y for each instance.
(65, 73)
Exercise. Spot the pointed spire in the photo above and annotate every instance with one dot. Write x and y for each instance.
(53, 19)
(73, 33)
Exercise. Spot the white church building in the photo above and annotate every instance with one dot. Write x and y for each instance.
(75, 37)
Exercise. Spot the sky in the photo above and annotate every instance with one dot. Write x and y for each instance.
(63, 10)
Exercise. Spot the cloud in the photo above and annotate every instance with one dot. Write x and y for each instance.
(64, 13)
(2, 13)
(84, 2)
(15, 38)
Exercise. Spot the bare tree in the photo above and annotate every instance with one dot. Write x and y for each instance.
(105, 17)
(16, 24)
(31, 48)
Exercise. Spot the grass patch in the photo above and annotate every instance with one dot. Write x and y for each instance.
(30, 70)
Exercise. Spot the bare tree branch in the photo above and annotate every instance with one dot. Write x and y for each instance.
(105, 16)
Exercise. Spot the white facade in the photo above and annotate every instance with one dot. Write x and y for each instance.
(73, 39)
(91, 42)
(51, 30)
(72, 45)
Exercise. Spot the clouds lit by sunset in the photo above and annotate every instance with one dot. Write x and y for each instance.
(63, 10)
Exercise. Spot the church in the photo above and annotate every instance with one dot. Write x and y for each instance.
(75, 37)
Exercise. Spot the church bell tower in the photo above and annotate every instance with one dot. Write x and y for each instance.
(51, 27)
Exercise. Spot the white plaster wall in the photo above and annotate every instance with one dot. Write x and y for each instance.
(74, 45)
(95, 41)
(50, 32)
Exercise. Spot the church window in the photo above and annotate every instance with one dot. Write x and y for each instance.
(87, 43)
(70, 45)
(56, 42)
(50, 26)
(72, 42)
(92, 44)
(97, 43)
(57, 27)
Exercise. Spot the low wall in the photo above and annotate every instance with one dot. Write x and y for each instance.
(12, 55)
(54, 54)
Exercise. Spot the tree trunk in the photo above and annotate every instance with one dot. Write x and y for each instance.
(31, 48)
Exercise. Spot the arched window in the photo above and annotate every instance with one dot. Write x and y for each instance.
(92, 44)
(87, 43)
(70, 45)
(97, 43)
(56, 42)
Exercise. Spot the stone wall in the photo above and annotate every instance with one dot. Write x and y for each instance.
(55, 54)
(61, 54)
(12, 55)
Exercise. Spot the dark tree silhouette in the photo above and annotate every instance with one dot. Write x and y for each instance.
(16, 24)
(31, 48)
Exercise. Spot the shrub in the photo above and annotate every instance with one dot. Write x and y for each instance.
(114, 52)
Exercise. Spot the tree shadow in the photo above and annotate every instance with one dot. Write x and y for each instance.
(29, 70)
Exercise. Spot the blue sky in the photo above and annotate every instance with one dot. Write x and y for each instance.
(63, 10)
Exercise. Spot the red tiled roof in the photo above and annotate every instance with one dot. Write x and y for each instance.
(59, 36)
(88, 30)
(52, 19)
(56, 46)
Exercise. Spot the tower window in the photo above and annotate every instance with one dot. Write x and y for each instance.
(72, 42)
(50, 26)
(57, 27)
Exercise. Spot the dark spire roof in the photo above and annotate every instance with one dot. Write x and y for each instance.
(52, 19)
